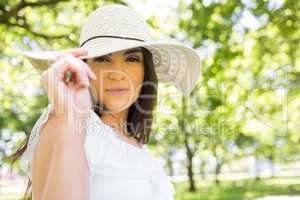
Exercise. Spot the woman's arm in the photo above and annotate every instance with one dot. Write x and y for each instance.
(60, 169)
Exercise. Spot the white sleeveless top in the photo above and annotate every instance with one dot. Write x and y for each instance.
(118, 170)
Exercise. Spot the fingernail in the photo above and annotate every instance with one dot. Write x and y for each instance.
(94, 76)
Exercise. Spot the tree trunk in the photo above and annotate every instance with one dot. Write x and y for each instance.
(189, 151)
(190, 165)
(218, 170)
(219, 164)
(170, 165)
(257, 168)
(271, 159)
(202, 170)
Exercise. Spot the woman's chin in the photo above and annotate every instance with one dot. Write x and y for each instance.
(117, 106)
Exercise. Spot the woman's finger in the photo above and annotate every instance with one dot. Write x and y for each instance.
(74, 52)
(77, 53)
(86, 67)
(89, 71)
(78, 69)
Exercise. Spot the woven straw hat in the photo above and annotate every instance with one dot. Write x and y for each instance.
(116, 27)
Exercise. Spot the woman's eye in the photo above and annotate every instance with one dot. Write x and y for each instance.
(101, 59)
(133, 59)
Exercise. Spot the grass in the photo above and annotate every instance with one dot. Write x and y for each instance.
(227, 190)
(10, 196)
(239, 190)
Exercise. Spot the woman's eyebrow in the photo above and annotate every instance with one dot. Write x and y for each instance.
(133, 51)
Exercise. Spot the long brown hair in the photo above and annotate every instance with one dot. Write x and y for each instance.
(138, 123)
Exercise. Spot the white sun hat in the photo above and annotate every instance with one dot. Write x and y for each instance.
(116, 27)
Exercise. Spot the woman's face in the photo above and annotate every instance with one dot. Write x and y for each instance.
(119, 79)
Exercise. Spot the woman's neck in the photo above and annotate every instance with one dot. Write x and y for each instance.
(117, 121)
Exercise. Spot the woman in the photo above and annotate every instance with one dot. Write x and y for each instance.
(91, 140)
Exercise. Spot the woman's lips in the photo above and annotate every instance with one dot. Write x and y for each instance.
(117, 92)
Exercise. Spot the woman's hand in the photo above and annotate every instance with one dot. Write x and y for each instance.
(69, 98)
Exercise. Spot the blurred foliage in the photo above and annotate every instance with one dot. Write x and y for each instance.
(247, 101)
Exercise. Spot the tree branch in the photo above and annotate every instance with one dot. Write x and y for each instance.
(43, 3)
(5, 18)
(23, 4)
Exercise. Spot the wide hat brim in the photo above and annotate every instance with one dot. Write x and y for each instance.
(172, 62)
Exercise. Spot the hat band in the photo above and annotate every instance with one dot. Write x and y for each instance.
(111, 36)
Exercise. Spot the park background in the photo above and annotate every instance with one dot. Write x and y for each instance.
(236, 136)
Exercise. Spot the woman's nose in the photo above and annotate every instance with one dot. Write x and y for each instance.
(116, 75)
